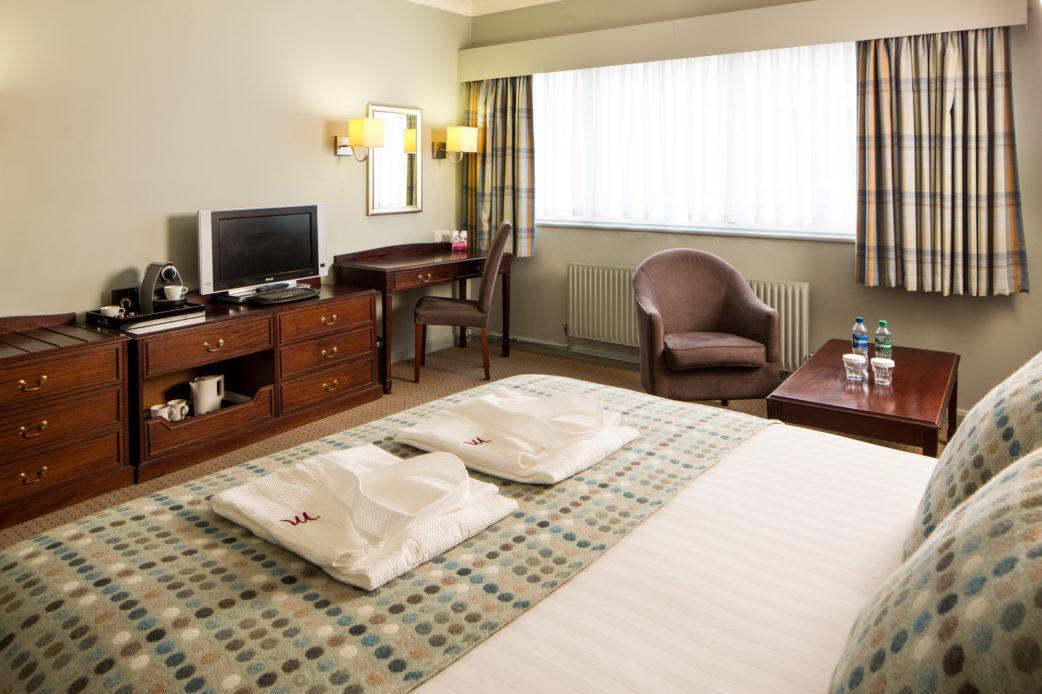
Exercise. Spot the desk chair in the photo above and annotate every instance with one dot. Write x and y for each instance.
(440, 310)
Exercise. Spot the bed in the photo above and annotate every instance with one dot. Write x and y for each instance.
(717, 553)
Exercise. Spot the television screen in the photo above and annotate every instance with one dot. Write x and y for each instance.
(243, 249)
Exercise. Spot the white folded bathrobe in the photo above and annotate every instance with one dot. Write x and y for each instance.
(523, 438)
(364, 515)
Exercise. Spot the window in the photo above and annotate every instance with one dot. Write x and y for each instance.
(762, 142)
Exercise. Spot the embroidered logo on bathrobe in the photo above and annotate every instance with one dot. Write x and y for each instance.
(476, 441)
(297, 520)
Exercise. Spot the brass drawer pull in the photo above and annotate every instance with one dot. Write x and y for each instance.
(328, 388)
(39, 476)
(39, 430)
(330, 353)
(329, 321)
(39, 384)
(208, 348)
(424, 278)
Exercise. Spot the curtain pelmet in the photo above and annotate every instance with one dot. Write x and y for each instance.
(938, 191)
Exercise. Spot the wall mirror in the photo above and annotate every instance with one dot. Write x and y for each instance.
(393, 183)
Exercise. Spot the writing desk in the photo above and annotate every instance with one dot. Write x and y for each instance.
(393, 268)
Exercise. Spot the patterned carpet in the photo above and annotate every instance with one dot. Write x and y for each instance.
(447, 371)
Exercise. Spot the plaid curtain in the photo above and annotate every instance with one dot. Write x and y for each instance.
(499, 181)
(938, 194)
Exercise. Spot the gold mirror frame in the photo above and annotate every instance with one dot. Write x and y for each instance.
(394, 184)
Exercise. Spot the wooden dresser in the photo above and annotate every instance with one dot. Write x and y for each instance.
(283, 366)
(63, 414)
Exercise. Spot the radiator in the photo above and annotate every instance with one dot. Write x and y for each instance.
(600, 307)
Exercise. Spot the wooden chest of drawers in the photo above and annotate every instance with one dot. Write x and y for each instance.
(327, 352)
(63, 410)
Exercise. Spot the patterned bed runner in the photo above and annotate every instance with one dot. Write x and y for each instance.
(161, 594)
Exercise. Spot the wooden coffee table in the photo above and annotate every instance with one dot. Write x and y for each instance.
(911, 410)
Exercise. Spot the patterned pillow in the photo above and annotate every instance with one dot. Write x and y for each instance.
(1005, 424)
(964, 613)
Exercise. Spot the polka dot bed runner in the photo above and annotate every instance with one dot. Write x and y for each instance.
(163, 594)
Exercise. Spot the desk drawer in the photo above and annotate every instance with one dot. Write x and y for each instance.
(206, 344)
(43, 425)
(327, 384)
(325, 317)
(57, 373)
(405, 279)
(33, 475)
(334, 348)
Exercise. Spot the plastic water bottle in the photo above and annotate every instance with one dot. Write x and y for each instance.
(884, 341)
(859, 337)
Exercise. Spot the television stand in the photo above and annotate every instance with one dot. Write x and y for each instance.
(288, 364)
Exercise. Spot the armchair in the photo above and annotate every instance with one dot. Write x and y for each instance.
(703, 333)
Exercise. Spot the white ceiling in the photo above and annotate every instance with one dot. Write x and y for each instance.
(473, 8)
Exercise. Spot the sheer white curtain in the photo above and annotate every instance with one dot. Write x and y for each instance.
(749, 141)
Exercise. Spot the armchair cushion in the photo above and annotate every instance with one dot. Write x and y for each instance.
(708, 350)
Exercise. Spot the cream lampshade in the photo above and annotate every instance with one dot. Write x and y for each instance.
(362, 133)
(365, 132)
(460, 139)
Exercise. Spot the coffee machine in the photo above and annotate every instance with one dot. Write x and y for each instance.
(152, 297)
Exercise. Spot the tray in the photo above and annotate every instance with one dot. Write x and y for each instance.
(143, 319)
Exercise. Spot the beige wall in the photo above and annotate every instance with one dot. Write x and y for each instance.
(993, 335)
(119, 119)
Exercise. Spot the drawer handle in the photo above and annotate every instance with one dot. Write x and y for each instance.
(329, 321)
(39, 476)
(328, 388)
(39, 430)
(39, 384)
(208, 348)
(330, 353)
(424, 278)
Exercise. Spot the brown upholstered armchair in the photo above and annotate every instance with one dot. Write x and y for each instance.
(704, 334)
(440, 310)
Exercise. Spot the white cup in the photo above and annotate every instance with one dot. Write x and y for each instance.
(175, 291)
(160, 410)
(111, 311)
(882, 370)
(178, 409)
(854, 365)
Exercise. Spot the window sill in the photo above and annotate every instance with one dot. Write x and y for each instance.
(783, 234)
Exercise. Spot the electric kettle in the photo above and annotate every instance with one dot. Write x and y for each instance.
(207, 393)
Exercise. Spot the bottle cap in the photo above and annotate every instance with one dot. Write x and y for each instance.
(859, 319)
(882, 324)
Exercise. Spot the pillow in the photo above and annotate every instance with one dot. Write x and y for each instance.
(1005, 424)
(964, 613)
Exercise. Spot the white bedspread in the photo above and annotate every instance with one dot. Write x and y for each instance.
(747, 581)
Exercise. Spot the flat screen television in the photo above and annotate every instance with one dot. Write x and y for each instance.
(245, 250)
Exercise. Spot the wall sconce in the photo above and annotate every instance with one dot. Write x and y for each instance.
(410, 140)
(458, 139)
(362, 133)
